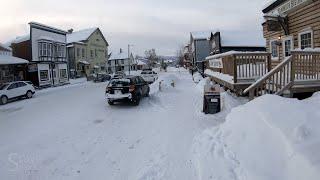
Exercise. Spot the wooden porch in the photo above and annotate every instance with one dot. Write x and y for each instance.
(238, 70)
(251, 73)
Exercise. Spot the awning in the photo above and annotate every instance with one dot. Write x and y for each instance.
(7, 60)
(84, 62)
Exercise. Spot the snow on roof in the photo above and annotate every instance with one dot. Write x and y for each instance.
(139, 62)
(81, 35)
(201, 34)
(120, 55)
(268, 3)
(232, 53)
(5, 59)
(5, 47)
(19, 39)
(84, 62)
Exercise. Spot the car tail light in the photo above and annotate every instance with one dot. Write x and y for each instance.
(131, 88)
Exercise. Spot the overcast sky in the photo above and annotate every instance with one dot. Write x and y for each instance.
(160, 24)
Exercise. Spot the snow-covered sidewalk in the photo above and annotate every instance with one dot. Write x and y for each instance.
(71, 133)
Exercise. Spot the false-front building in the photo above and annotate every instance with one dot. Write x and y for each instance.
(45, 49)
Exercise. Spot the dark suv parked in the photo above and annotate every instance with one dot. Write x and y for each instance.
(128, 88)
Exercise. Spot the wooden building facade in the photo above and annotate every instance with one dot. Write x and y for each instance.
(289, 25)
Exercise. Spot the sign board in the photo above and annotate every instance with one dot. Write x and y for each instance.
(32, 68)
(216, 63)
(273, 26)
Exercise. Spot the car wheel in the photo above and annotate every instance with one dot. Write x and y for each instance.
(29, 94)
(111, 103)
(136, 101)
(4, 100)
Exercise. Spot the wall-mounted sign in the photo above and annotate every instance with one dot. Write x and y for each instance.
(32, 68)
(287, 6)
(216, 63)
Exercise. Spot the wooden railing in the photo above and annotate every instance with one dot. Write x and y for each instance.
(244, 66)
(302, 66)
(307, 65)
(276, 81)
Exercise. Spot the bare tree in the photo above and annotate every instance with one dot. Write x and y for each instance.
(180, 55)
(152, 57)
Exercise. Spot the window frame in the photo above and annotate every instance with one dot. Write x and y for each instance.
(303, 33)
(271, 51)
(284, 45)
(42, 79)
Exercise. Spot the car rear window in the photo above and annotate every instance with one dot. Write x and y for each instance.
(119, 82)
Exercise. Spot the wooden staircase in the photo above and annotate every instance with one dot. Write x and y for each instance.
(299, 72)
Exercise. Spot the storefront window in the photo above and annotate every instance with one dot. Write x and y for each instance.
(44, 75)
(63, 73)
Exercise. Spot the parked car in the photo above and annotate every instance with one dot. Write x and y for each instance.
(102, 77)
(118, 75)
(149, 76)
(128, 88)
(16, 89)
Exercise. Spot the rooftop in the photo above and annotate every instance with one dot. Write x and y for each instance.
(201, 34)
(43, 26)
(81, 35)
(5, 59)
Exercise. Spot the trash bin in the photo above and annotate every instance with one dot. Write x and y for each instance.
(212, 101)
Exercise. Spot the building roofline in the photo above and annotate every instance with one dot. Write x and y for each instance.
(273, 5)
(45, 27)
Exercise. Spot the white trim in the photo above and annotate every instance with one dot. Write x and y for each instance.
(305, 31)
(283, 44)
(275, 58)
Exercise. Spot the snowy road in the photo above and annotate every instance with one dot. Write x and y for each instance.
(71, 133)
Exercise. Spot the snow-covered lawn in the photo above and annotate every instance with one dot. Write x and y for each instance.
(70, 132)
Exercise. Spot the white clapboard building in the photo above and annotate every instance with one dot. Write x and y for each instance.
(45, 49)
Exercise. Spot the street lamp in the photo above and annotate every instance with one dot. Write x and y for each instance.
(129, 45)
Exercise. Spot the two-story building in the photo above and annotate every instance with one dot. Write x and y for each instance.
(11, 68)
(45, 49)
(289, 25)
(200, 49)
(87, 52)
(121, 62)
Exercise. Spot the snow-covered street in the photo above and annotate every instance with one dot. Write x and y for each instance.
(71, 133)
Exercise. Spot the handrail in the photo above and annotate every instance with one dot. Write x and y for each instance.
(268, 75)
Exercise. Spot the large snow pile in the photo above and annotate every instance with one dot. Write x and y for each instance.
(268, 138)
(197, 77)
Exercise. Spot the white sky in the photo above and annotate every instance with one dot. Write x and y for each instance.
(160, 24)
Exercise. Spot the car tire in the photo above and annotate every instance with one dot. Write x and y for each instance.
(29, 94)
(3, 100)
(110, 103)
(136, 101)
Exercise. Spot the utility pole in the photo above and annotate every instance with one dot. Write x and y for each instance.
(129, 57)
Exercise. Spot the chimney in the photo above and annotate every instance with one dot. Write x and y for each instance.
(120, 50)
(70, 31)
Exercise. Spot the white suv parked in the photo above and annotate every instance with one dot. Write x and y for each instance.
(15, 90)
(149, 76)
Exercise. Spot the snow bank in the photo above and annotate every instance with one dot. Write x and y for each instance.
(197, 77)
(269, 138)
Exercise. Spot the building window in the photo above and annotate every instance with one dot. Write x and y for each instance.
(274, 49)
(306, 40)
(44, 75)
(287, 46)
(83, 53)
(95, 53)
(63, 73)
(91, 53)
(49, 50)
(78, 52)
(122, 61)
